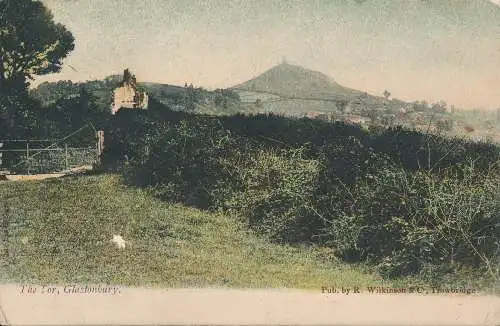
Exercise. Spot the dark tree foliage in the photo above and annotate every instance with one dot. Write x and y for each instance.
(31, 44)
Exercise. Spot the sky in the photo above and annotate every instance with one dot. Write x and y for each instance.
(417, 49)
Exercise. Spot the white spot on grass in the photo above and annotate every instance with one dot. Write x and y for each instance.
(118, 241)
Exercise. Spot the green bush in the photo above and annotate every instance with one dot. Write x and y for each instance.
(181, 162)
(274, 191)
(403, 221)
(403, 201)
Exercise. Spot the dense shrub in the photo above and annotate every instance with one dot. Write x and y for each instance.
(274, 191)
(403, 221)
(181, 162)
(399, 199)
(414, 150)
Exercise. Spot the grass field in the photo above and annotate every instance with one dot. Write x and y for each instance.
(59, 230)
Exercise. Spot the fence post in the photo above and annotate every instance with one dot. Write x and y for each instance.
(100, 145)
(66, 155)
(28, 157)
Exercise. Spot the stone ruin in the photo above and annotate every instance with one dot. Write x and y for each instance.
(127, 95)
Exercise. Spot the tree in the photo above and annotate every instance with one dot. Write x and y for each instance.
(439, 107)
(258, 103)
(388, 119)
(373, 114)
(386, 94)
(69, 113)
(443, 125)
(341, 105)
(31, 44)
(190, 98)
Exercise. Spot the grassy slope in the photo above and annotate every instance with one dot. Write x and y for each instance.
(59, 231)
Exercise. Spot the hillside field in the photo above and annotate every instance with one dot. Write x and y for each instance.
(59, 230)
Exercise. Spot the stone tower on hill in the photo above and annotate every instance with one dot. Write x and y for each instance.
(127, 95)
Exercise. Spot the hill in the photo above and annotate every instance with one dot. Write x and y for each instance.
(300, 90)
(294, 81)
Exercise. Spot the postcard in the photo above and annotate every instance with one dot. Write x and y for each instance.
(262, 162)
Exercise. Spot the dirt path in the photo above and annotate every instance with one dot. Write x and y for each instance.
(223, 306)
(43, 176)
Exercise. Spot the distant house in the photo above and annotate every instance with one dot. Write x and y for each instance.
(328, 116)
(356, 119)
(312, 114)
(127, 95)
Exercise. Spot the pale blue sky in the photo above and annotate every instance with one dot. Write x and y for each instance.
(419, 50)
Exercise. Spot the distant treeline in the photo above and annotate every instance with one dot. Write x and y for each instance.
(31, 119)
(187, 98)
(54, 110)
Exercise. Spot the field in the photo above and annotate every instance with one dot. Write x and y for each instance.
(59, 230)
